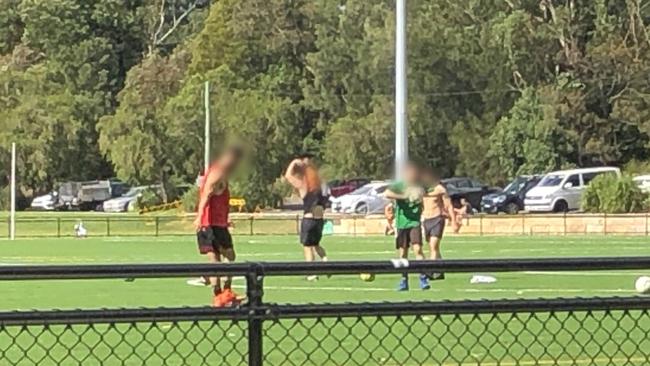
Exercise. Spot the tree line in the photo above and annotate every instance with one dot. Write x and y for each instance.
(99, 88)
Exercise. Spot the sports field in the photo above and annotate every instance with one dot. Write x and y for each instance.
(175, 292)
(578, 338)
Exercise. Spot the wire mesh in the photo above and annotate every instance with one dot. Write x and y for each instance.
(559, 338)
(155, 343)
(596, 337)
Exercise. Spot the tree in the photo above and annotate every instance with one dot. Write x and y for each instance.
(135, 138)
(528, 140)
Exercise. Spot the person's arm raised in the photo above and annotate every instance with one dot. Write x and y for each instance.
(291, 177)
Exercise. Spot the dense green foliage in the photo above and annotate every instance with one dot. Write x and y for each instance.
(189, 200)
(608, 193)
(96, 88)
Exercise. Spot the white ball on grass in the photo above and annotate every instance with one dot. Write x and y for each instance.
(642, 285)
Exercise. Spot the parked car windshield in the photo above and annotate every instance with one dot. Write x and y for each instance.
(516, 185)
(551, 180)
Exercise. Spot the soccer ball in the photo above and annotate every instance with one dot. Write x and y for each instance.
(367, 277)
(415, 194)
(642, 285)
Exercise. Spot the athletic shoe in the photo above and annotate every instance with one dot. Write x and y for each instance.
(424, 282)
(217, 301)
(437, 276)
(226, 298)
(312, 278)
(403, 285)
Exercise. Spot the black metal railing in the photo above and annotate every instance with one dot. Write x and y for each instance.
(556, 331)
(107, 225)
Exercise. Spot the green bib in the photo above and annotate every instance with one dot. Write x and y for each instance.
(407, 213)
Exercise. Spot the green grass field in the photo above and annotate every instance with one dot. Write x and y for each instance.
(175, 292)
(581, 338)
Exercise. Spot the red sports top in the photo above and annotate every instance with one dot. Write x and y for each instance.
(216, 211)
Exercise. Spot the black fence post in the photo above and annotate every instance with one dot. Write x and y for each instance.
(157, 225)
(58, 227)
(108, 226)
(250, 227)
(254, 292)
(297, 224)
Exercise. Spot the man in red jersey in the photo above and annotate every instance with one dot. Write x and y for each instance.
(212, 223)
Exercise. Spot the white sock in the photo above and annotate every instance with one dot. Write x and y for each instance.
(324, 259)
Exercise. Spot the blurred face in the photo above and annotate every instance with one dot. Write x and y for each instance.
(411, 173)
(230, 160)
(430, 178)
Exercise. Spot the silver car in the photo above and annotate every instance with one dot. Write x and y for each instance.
(365, 200)
(121, 204)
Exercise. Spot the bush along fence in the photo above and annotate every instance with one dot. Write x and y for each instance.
(262, 224)
(593, 331)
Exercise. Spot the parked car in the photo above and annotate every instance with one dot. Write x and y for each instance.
(90, 195)
(46, 202)
(643, 181)
(561, 191)
(121, 204)
(470, 189)
(365, 200)
(338, 188)
(511, 199)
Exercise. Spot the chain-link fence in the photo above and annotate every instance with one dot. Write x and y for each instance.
(589, 331)
(597, 332)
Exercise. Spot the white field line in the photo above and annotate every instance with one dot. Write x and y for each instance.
(477, 290)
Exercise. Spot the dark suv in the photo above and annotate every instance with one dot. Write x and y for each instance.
(511, 200)
(469, 189)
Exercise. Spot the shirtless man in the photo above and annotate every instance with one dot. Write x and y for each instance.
(436, 208)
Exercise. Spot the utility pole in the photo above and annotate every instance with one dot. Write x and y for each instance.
(401, 91)
(206, 156)
(12, 225)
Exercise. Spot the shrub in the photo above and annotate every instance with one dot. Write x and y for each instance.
(190, 199)
(637, 167)
(148, 198)
(610, 194)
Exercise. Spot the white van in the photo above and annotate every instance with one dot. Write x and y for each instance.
(643, 181)
(561, 191)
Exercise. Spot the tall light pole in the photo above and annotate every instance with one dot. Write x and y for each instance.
(401, 92)
(12, 224)
(206, 137)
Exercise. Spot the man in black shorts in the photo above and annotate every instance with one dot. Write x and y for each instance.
(303, 175)
(212, 222)
(408, 210)
(436, 208)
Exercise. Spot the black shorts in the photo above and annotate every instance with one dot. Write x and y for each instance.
(213, 239)
(434, 227)
(311, 232)
(406, 237)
